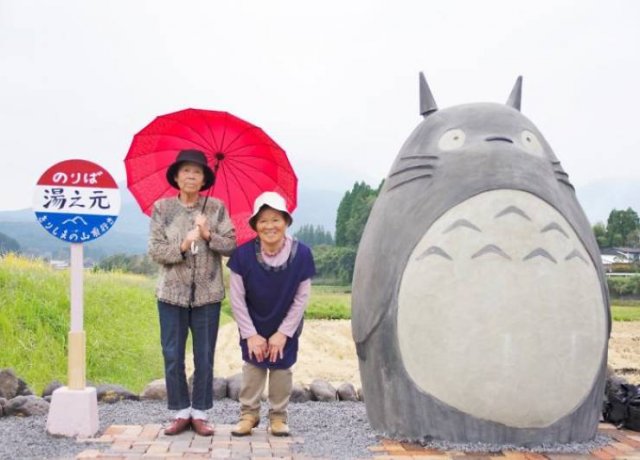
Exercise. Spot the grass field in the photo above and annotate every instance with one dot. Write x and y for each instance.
(120, 320)
(625, 313)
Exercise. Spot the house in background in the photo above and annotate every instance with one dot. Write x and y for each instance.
(620, 259)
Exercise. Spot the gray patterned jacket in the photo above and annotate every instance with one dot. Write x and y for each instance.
(170, 223)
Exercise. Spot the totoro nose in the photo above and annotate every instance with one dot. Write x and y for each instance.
(498, 138)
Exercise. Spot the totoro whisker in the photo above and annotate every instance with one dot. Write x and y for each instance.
(434, 251)
(565, 181)
(420, 157)
(411, 179)
(491, 249)
(409, 169)
(554, 226)
(539, 252)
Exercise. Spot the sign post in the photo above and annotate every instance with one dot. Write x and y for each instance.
(76, 201)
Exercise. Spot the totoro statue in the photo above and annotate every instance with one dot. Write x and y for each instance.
(480, 306)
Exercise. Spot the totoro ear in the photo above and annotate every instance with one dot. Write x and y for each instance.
(516, 94)
(427, 103)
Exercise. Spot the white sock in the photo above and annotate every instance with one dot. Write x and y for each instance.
(184, 413)
(198, 414)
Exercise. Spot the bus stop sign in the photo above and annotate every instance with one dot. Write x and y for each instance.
(76, 201)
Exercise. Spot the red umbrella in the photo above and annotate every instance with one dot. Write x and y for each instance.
(246, 161)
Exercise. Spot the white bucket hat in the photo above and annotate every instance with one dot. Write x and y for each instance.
(272, 200)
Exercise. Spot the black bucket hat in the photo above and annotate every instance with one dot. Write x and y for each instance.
(190, 156)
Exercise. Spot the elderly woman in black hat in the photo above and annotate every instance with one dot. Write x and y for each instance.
(187, 239)
(270, 285)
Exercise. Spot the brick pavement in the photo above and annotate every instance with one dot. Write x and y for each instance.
(624, 445)
(129, 442)
(149, 442)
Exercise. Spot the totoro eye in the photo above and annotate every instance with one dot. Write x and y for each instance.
(531, 143)
(452, 139)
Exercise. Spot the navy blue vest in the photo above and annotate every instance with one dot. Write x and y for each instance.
(270, 292)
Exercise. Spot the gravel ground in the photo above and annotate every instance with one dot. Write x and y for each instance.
(337, 430)
(333, 430)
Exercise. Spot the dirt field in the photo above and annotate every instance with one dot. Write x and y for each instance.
(624, 350)
(327, 352)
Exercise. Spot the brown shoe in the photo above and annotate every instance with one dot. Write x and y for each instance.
(177, 426)
(279, 426)
(202, 427)
(247, 423)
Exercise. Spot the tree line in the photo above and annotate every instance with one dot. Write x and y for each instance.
(621, 230)
(8, 244)
(335, 263)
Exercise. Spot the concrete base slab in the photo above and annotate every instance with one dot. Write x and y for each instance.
(73, 412)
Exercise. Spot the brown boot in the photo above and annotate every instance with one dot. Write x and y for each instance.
(247, 423)
(278, 425)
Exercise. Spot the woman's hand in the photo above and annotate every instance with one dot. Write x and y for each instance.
(191, 237)
(203, 227)
(258, 347)
(276, 346)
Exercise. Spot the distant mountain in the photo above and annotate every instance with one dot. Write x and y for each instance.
(128, 235)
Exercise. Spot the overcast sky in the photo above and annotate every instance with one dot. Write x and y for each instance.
(335, 83)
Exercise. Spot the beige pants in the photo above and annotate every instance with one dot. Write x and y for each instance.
(253, 383)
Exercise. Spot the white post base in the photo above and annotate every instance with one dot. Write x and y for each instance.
(73, 412)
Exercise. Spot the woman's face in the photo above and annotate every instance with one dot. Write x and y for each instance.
(271, 226)
(190, 178)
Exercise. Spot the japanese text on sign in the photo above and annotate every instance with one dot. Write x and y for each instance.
(56, 198)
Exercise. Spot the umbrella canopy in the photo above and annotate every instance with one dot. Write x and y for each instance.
(245, 159)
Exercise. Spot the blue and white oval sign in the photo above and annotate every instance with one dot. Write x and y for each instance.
(76, 201)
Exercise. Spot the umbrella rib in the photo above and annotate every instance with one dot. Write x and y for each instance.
(231, 173)
(224, 131)
(269, 159)
(254, 168)
(205, 147)
(242, 133)
(200, 114)
(261, 144)
(190, 128)
(249, 128)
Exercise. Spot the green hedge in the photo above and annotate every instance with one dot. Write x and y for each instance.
(624, 286)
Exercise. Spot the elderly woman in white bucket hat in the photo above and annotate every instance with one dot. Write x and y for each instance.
(270, 286)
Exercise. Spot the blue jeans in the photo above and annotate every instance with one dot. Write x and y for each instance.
(175, 323)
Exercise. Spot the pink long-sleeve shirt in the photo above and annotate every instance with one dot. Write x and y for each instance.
(239, 305)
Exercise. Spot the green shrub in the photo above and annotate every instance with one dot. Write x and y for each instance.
(624, 286)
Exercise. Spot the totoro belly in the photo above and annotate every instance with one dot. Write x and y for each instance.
(501, 313)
